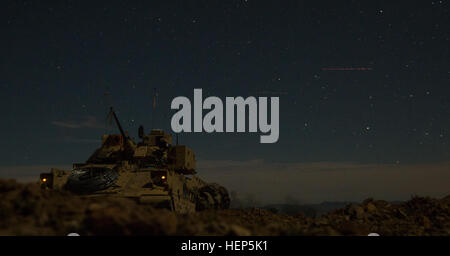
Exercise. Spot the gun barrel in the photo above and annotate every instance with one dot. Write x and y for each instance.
(118, 125)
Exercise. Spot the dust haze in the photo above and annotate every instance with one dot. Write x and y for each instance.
(257, 182)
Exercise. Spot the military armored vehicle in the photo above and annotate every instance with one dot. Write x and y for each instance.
(152, 171)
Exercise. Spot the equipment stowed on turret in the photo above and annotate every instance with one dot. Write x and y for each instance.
(152, 171)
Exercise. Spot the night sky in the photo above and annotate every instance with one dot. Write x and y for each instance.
(362, 82)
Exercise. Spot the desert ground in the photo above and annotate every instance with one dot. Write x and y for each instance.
(25, 209)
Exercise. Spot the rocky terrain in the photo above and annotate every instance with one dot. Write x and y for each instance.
(27, 210)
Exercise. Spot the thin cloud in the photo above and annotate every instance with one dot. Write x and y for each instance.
(328, 181)
(308, 182)
(87, 122)
(69, 139)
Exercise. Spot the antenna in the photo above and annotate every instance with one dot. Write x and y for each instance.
(107, 94)
(154, 107)
(141, 132)
(109, 116)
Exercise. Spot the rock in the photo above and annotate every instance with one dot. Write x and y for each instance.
(371, 207)
(426, 222)
(352, 228)
(401, 213)
(25, 209)
(236, 230)
(94, 207)
(356, 212)
(8, 185)
(321, 221)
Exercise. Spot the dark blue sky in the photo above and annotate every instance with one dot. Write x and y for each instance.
(59, 59)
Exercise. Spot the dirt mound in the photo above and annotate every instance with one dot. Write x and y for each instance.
(25, 209)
